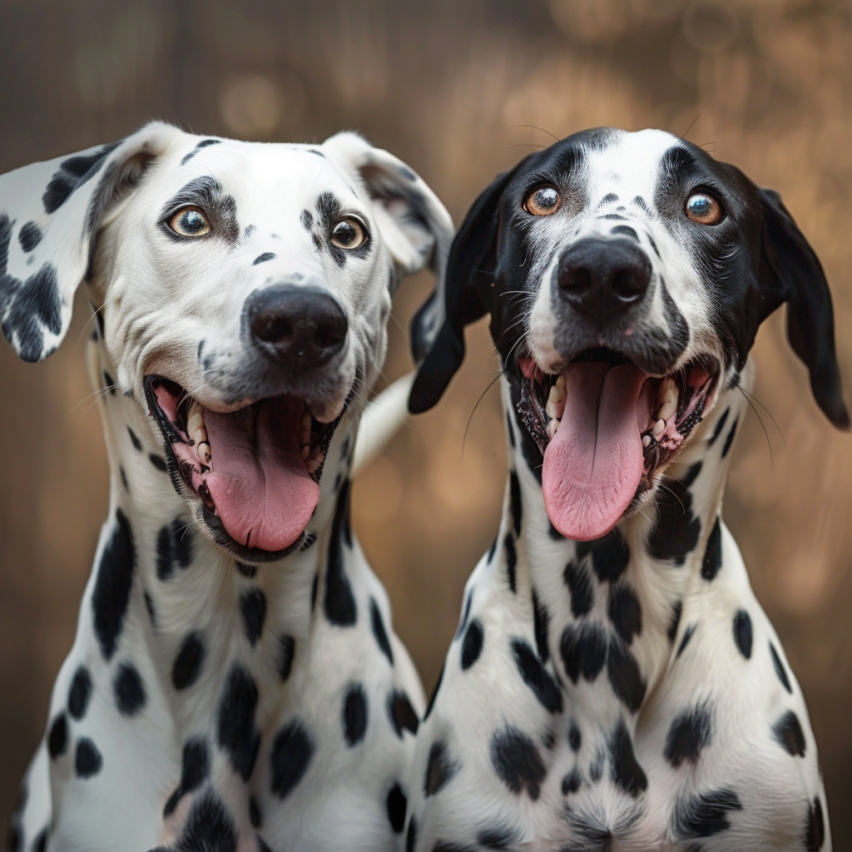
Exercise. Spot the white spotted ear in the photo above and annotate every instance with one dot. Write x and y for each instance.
(49, 217)
(414, 224)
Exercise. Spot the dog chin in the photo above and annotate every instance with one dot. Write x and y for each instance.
(607, 429)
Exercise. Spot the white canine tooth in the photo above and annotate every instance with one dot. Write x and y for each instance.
(552, 427)
(669, 407)
(204, 452)
(560, 381)
(646, 441)
(658, 429)
(557, 394)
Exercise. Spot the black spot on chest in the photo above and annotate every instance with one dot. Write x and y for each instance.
(137, 444)
(580, 585)
(730, 439)
(434, 694)
(515, 501)
(159, 462)
(209, 827)
(174, 547)
(129, 690)
(743, 634)
(536, 677)
(355, 714)
(188, 662)
(788, 733)
(625, 678)
(625, 612)
(113, 584)
(541, 628)
(584, 650)
(674, 622)
(704, 814)
(286, 651)
(79, 693)
(29, 236)
(779, 669)
(713, 555)
(814, 835)
(57, 737)
(396, 805)
(626, 773)
(340, 607)
(253, 611)
(677, 529)
(236, 732)
(402, 714)
(690, 733)
(471, 646)
(379, 632)
(440, 769)
(610, 555)
(517, 762)
(720, 425)
(290, 757)
(511, 561)
(687, 635)
(195, 767)
(88, 761)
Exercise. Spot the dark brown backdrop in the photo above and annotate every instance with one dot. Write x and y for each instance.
(452, 87)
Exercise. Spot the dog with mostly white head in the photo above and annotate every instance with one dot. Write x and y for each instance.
(235, 683)
(614, 685)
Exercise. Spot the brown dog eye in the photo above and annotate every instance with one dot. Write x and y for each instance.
(349, 234)
(543, 201)
(190, 222)
(703, 208)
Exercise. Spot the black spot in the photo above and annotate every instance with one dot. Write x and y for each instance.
(314, 588)
(730, 439)
(129, 690)
(187, 664)
(687, 635)
(814, 827)
(610, 555)
(112, 586)
(541, 627)
(472, 644)
(249, 571)
(286, 651)
(511, 560)
(355, 715)
(57, 738)
(253, 611)
(465, 613)
(625, 231)
(340, 606)
(720, 425)
(536, 677)
(609, 198)
(137, 444)
(40, 843)
(440, 769)
(615, 216)
(87, 759)
(690, 733)
(174, 545)
(291, 753)
(195, 767)
(236, 732)
(72, 174)
(674, 623)
(677, 529)
(149, 605)
(704, 814)
(517, 762)
(583, 649)
(625, 612)
(29, 236)
(79, 693)
(262, 258)
(402, 714)
(109, 383)
(515, 500)
(789, 734)
(491, 551)
(203, 144)
(158, 461)
(123, 475)
(625, 771)
(396, 804)
(779, 669)
(641, 203)
(571, 782)
(434, 694)
(743, 632)
(307, 220)
(209, 827)
(597, 766)
(624, 676)
(580, 585)
(379, 631)
(575, 740)
(411, 835)
(713, 555)
(510, 431)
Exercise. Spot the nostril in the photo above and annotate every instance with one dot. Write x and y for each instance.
(629, 284)
(575, 280)
(273, 329)
(331, 334)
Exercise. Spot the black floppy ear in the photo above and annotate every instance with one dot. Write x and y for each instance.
(810, 318)
(437, 330)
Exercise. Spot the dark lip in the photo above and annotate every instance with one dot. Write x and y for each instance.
(184, 489)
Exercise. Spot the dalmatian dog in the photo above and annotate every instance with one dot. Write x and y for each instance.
(235, 683)
(614, 685)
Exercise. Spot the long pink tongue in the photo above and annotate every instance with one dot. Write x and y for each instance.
(593, 465)
(262, 491)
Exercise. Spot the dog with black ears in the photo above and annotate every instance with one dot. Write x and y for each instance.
(235, 684)
(614, 685)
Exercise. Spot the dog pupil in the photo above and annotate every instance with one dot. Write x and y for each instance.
(345, 233)
(546, 197)
(700, 205)
(193, 221)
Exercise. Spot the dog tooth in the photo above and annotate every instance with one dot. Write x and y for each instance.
(659, 427)
(560, 381)
(646, 441)
(669, 407)
(552, 428)
(204, 452)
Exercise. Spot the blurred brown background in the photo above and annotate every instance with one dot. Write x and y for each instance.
(451, 87)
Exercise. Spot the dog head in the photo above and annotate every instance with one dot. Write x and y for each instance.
(626, 275)
(242, 292)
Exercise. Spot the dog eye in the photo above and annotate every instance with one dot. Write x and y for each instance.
(543, 201)
(190, 222)
(348, 234)
(703, 208)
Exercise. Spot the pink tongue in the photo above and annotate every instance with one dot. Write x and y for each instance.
(593, 465)
(262, 491)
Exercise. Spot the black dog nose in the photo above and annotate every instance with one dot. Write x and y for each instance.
(296, 325)
(602, 278)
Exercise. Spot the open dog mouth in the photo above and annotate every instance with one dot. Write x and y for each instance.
(605, 427)
(255, 470)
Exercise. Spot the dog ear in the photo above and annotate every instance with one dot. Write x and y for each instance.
(797, 272)
(414, 224)
(49, 217)
(462, 299)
